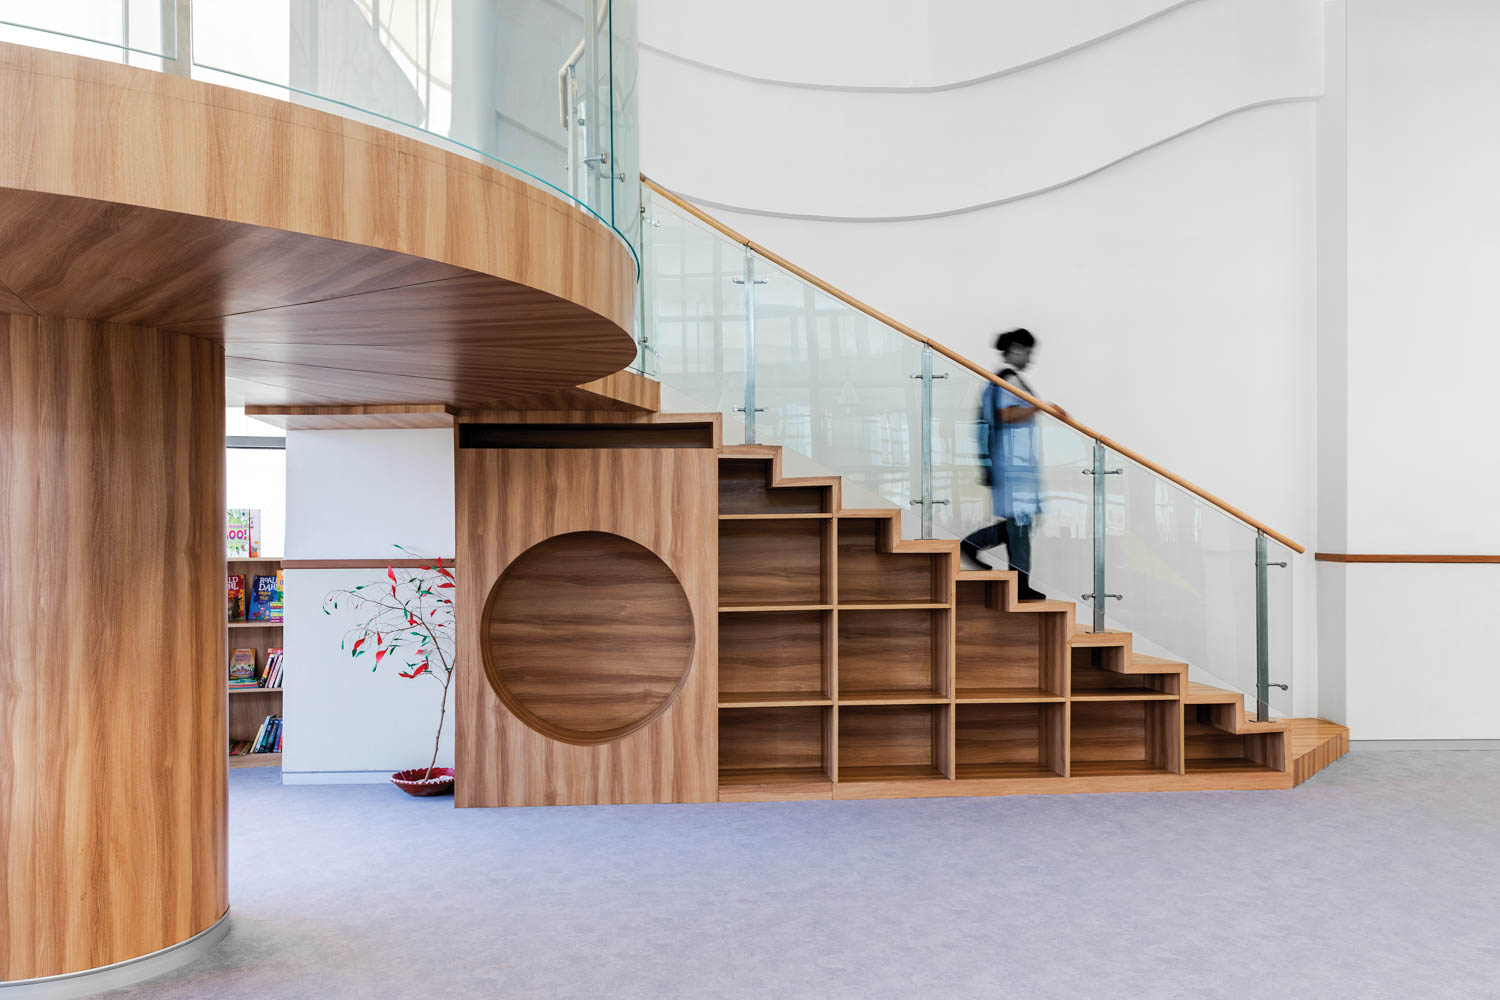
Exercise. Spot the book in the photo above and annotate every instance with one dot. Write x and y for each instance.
(263, 599)
(271, 676)
(242, 533)
(236, 591)
(278, 602)
(242, 668)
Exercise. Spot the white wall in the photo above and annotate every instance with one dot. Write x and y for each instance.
(1174, 291)
(354, 495)
(1423, 305)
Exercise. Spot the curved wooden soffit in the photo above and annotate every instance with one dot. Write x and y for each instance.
(335, 262)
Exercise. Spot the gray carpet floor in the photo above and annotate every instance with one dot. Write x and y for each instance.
(1378, 878)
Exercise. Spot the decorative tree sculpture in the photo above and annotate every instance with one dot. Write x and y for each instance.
(409, 617)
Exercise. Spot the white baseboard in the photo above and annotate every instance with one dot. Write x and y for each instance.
(336, 777)
(1397, 745)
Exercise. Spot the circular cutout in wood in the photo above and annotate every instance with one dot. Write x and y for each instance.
(587, 636)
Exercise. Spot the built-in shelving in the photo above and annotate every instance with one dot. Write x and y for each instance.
(248, 707)
(848, 657)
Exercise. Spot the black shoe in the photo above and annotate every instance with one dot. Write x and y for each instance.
(970, 551)
(1028, 594)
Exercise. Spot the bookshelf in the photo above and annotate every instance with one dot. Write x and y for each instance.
(248, 707)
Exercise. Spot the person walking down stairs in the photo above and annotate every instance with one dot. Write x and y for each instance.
(1009, 446)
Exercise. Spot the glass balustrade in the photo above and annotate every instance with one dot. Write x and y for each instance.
(787, 363)
(101, 29)
(542, 89)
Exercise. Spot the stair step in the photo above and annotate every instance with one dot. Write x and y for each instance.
(751, 452)
(931, 546)
(1205, 694)
(1099, 639)
(875, 512)
(1140, 663)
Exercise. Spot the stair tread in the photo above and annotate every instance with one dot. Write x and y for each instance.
(938, 546)
(749, 451)
(1207, 694)
(1085, 638)
(876, 512)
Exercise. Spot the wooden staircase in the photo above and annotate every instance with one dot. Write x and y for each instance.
(854, 663)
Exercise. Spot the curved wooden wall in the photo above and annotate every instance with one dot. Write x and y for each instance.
(336, 262)
(112, 700)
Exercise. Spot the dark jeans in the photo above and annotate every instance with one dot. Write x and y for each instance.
(1017, 540)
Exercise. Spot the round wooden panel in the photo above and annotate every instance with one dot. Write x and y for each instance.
(588, 636)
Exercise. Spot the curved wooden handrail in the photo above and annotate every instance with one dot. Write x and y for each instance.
(959, 359)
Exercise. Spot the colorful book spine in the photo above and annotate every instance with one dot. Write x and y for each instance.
(236, 594)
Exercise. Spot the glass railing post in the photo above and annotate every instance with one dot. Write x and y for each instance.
(749, 281)
(1262, 633)
(1100, 541)
(927, 501)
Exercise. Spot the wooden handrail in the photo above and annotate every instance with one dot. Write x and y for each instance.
(959, 359)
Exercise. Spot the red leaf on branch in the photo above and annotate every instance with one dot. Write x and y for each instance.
(358, 643)
(445, 586)
(379, 653)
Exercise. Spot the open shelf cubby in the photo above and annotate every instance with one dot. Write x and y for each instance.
(1124, 737)
(773, 657)
(1210, 748)
(1095, 677)
(1011, 740)
(744, 488)
(868, 576)
(774, 563)
(893, 742)
(1007, 655)
(775, 745)
(893, 656)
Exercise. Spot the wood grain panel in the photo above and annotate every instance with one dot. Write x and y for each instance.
(888, 653)
(1009, 740)
(771, 739)
(771, 562)
(867, 575)
(112, 703)
(999, 651)
(663, 499)
(889, 741)
(744, 488)
(587, 636)
(334, 260)
(782, 653)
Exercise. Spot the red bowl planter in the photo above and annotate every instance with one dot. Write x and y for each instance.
(419, 781)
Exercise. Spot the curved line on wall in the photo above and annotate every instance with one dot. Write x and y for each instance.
(964, 210)
(852, 88)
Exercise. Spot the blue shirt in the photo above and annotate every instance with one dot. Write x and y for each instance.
(1013, 451)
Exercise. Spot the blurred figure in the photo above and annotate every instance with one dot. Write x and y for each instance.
(1009, 445)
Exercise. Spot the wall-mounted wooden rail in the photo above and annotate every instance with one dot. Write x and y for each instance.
(1346, 557)
(959, 359)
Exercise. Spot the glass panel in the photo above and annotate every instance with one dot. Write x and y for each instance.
(1048, 460)
(145, 26)
(837, 387)
(697, 317)
(1185, 571)
(526, 85)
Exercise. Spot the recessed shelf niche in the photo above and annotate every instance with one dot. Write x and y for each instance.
(893, 742)
(1124, 737)
(1007, 655)
(775, 656)
(1012, 740)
